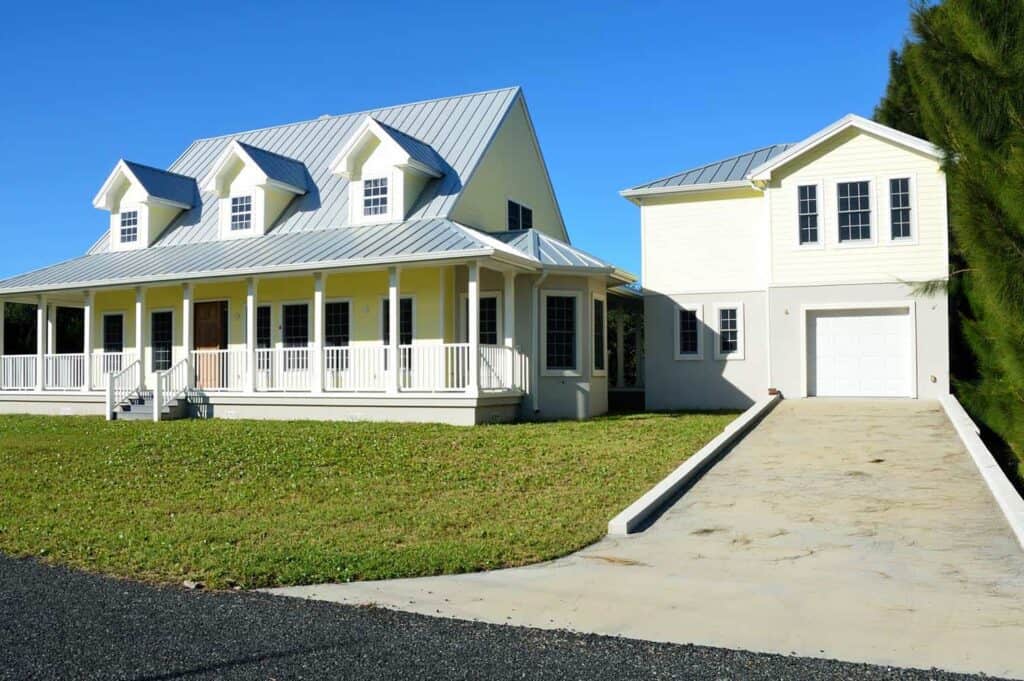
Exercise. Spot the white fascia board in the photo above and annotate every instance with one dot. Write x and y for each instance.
(233, 150)
(277, 184)
(101, 199)
(632, 194)
(340, 166)
(764, 171)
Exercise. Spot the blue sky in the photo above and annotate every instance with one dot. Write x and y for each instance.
(619, 93)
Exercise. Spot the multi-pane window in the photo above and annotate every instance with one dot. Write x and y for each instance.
(489, 321)
(375, 196)
(263, 339)
(161, 329)
(113, 333)
(728, 330)
(295, 334)
(808, 211)
(600, 357)
(129, 226)
(336, 333)
(899, 207)
(519, 217)
(689, 329)
(560, 334)
(854, 211)
(241, 212)
(404, 321)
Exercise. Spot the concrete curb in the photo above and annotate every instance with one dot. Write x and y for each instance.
(628, 520)
(1011, 503)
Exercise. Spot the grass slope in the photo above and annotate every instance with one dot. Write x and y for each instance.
(261, 503)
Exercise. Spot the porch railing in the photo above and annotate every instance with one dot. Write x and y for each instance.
(434, 368)
(64, 371)
(123, 384)
(356, 368)
(18, 372)
(220, 370)
(169, 385)
(502, 368)
(103, 363)
(284, 369)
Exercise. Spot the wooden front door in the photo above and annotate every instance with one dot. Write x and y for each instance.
(211, 333)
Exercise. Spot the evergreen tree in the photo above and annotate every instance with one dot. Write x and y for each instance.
(964, 68)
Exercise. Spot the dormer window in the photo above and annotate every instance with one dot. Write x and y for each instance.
(241, 212)
(519, 217)
(375, 196)
(130, 227)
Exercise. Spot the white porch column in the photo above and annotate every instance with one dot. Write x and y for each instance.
(509, 325)
(139, 349)
(473, 328)
(51, 329)
(442, 291)
(186, 331)
(3, 324)
(317, 361)
(620, 350)
(87, 340)
(41, 342)
(250, 332)
(393, 340)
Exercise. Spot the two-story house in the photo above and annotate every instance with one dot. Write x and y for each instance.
(795, 267)
(405, 263)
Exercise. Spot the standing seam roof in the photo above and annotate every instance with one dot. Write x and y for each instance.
(732, 169)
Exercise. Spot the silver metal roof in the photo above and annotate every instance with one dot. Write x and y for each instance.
(295, 251)
(277, 167)
(165, 185)
(457, 129)
(731, 169)
(552, 253)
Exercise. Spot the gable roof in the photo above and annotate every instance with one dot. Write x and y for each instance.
(741, 170)
(763, 171)
(277, 167)
(457, 129)
(416, 149)
(160, 184)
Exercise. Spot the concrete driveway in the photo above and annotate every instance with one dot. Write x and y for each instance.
(858, 530)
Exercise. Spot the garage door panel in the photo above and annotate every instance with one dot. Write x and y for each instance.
(860, 353)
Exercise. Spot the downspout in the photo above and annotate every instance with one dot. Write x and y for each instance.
(535, 315)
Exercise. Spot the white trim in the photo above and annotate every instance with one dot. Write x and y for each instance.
(692, 307)
(638, 193)
(912, 188)
(909, 305)
(351, 325)
(464, 322)
(594, 371)
(281, 304)
(764, 171)
(544, 295)
(1010, 502)
(741, 336)
(148, 338)
(211, 182)
(101, 200)
(819, 186)
(103, 327)
(341, 164)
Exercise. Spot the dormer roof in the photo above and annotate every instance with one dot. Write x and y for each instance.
(274, 169)
(409, 152)
(159, 185)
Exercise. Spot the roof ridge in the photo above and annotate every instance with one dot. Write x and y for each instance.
(357, 113)
(268, 151)
(162, 170)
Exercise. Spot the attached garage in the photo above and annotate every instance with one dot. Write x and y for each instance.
(862, 352)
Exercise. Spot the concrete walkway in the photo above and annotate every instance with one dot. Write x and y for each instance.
(857, 530)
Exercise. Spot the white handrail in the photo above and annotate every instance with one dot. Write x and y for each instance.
(18, 372)
(217, 370)
(65, 371)
(434, 367)
(104, 363)
(122, 384)
(283, 369)
(355, 368)
(169, 385)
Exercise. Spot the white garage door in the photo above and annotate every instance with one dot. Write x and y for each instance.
(859, 353)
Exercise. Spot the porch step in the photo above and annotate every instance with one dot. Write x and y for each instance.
(141, 409)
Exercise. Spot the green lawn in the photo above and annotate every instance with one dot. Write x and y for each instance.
(262, 503)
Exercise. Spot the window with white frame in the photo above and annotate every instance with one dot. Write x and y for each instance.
(597, 348)
(295, 335)
(375, 196)
(129, 226)
(161, 339)
(807, 200)
(899, 207)
(854, 200)
(241, 213)
(560, 333)
(519, 217)
(336, 333)
(489, 320)
(688, 332)
(263, 337)
(729, 318)
(113, 333)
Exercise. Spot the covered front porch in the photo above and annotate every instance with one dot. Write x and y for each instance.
(410, 336)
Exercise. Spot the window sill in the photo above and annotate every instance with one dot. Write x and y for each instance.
(561, 373)
(689, 358)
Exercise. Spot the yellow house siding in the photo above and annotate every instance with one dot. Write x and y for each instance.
(511, 169)
(708, 241)
(853, 156)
